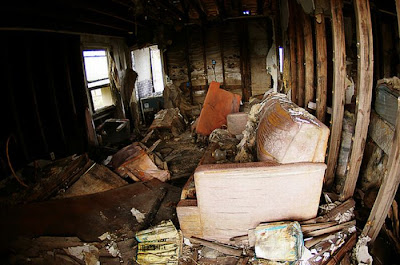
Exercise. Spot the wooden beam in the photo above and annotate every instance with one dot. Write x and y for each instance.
(309, 60)
(388, 188)
(260, 7)
(398, 15)
(188, 64)
(365, 67)
(198, 6)
(322, 66)
(339, 76)
(300, 57)
(244, 61)
(292, 46)
(221, 48)
(203, 42)
(173, 9)
(221, 8)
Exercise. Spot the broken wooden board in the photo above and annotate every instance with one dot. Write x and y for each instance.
(168, 121)
(57, 176)
(189, 218)
(121, 211)
(168, 205)
(233, 198)
(381, 132)
(97, 179)
(134, 162)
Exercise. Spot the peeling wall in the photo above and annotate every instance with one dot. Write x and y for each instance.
(198, 47)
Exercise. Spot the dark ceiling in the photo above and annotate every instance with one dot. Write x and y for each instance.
(123, 17)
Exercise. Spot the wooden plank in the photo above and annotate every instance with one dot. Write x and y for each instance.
(87, 216)
(292, 48)
(381, 132)
(398, 14)
(97, 179)
(348, 246)
(388, 188)
(339, 87)
(332, 214)
(219, 247)
(331, 229)
(312, 227)
(189, 218)
(364, 94)
(309, 60)
(300, 58)
(321, 66)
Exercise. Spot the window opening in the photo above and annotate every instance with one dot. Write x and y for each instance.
(97, 77)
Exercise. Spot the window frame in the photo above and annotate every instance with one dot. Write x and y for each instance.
(90, 89)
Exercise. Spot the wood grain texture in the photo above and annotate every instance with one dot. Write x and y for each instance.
(189, 218)
(98, 178)
(381, 132)
(321, 66)
(388, 188)
(300, 57)
(233, 198)
(339, 76)
(309, 60)
(292, 50)
(364, 97)
(339, 254)
(398, 14)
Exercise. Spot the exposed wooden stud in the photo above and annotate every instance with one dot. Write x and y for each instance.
(309, 60)
(292, 47)
(364, 93)
(221, 48)
(203, 40)
(398, 15)
(388, 188)
(322, 66)
(244, 61)
(300, 57)
(339, 75)
(188, 65)
(260, 7)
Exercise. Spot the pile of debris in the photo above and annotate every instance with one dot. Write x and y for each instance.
(326, 239)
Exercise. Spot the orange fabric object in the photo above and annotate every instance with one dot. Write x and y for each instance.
(217, 105)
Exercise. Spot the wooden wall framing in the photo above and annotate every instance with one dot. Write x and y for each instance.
(338, 91)
(365, 66)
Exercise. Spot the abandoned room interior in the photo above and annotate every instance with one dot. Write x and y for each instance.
(200, 132)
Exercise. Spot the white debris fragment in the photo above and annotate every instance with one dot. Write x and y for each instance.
(138, 215)
(80, 251)
(352, 229)
(346, 216)
(187, 242)
(105, 236)
(113, 249)
(107, 160)
(360, 251)
(307, 255)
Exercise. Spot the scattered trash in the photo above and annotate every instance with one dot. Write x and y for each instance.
(360, 252)
(168, 123)
(280, 241)
(134, 162)
(161, 244)
(138, 215)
